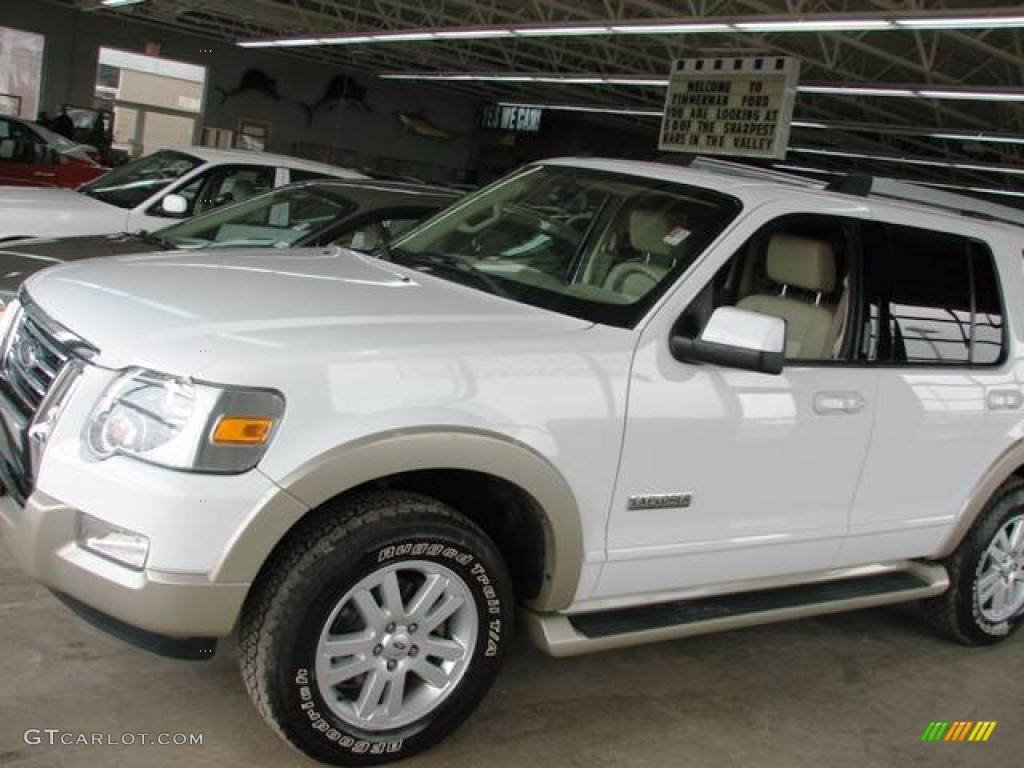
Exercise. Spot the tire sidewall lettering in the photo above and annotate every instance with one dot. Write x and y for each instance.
(490, 610)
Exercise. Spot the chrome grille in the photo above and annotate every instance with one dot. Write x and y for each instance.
(32, 361)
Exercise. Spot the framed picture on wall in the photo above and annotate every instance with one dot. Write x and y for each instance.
(222, 138)
(252, 134)
(10, 105)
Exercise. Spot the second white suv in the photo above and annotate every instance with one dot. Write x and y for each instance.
(642, 401)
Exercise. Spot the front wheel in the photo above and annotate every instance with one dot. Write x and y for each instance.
(377, 629)
(985, 601)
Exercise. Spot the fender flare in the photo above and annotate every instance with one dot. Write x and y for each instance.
(1008, 462)
(379, 456)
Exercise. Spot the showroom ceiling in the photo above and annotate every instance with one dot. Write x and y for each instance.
(945, 80)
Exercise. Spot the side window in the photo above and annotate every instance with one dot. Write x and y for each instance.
(366, 237)
(931, 298)
(20, 145)
(795, 268)
(223, 185)
(8, 144)
(295, 175)
(399, 226)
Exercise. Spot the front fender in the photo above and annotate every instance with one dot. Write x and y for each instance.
(378, 456)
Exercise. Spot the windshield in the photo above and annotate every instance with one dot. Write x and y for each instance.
(277, 219)
(133, 183)
(597, 245)
(60, 144)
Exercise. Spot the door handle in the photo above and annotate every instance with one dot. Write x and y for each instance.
(1004, 400)
(838, 402)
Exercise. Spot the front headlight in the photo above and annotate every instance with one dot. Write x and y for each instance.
(183, 424)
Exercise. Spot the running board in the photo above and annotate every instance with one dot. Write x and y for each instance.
(572, 635)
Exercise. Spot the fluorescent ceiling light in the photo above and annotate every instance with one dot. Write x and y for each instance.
(116, 3)
(910, 131)
(978, 137)
(478, 34)
(401, 37)
(970, 22)
(296, 42)
(681, 28)
(643, 81)
(984, 190)
(345, 40)
(649, 81)
(814, 25)
(732, 24)
(971, 95)
(909, 160)
(566, 31)
(858, 90)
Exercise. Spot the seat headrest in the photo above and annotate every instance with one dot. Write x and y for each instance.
(801, 262)
(648, 230)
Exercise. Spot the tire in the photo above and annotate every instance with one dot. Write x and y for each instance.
(313, 596)
(964, 613)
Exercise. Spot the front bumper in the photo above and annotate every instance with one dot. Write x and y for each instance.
(41, 536)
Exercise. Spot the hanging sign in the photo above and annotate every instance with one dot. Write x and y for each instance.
(730, 106)
(511, 117)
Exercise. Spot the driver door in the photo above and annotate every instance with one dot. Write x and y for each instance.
(729, 476)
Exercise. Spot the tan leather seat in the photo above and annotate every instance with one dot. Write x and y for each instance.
(647, 232)
(800, 262)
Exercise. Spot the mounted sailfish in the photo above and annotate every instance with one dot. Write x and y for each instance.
(341, 89)
(253, 81)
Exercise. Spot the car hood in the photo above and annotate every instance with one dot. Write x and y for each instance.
(22, 258)
(184, 312)
(46, 212)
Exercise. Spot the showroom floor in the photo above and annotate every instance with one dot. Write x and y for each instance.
(853, 690)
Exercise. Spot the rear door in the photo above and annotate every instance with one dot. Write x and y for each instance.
(949, 400)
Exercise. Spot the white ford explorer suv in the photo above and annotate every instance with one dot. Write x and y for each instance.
(641, 401)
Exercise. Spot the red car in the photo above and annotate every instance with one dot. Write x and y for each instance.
(34, 156)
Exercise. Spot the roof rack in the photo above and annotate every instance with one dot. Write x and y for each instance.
(863, 185)
(713, 164)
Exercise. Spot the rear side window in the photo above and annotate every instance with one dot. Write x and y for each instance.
(931, 298)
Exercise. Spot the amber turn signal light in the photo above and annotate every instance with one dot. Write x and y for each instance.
(242, 430)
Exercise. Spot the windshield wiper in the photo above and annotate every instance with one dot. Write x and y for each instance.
(452, 265)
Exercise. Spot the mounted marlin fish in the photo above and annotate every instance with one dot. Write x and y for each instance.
(340, 90)
(253, 81)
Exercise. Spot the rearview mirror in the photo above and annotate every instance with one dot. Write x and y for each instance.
(736, 338)
(174, 205)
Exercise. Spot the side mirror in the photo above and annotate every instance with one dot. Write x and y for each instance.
(736, 338)
(174, 205)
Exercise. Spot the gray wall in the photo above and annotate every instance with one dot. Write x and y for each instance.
(74, 37)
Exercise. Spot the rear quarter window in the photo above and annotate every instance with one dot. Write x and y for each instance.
(933, 298)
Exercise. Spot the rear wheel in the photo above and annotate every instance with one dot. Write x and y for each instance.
(377, 629)
(985, 601)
